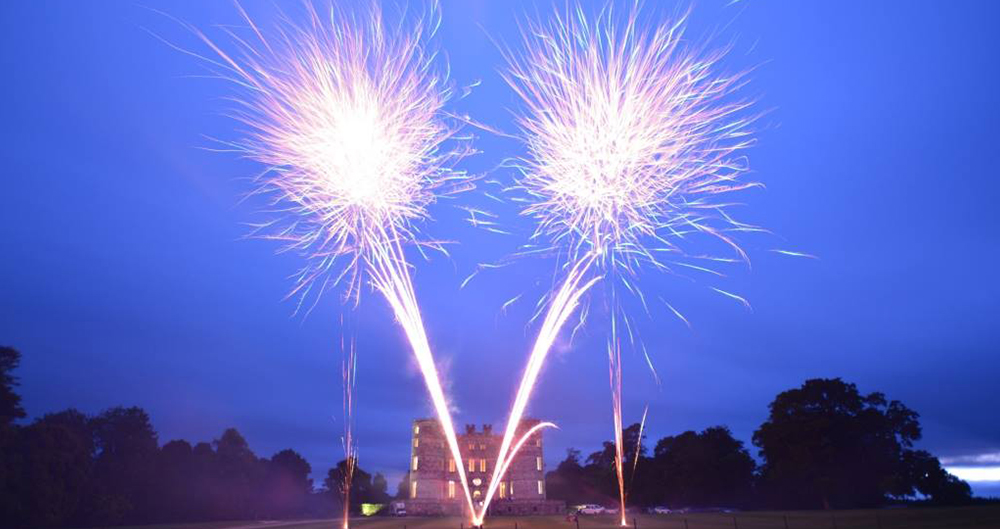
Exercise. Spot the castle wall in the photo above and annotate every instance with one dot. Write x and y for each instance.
(435, 485)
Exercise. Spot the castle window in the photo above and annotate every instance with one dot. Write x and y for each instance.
(538, 441)
(416, 429)
(511, 489)
(476, 494)
(482, 446)
(538, 463)
(416, 442)
(413, 489)
(541, 488)
(451, 489)
(451, 465)
(472, 446)
(503, 490)
(415, 462)
(472, 465)
(482, 465)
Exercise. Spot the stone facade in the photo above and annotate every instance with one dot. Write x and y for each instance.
(435, 485)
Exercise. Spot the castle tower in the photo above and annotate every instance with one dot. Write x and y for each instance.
(435, 486)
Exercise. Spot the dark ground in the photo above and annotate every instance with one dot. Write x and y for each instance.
(916, 518)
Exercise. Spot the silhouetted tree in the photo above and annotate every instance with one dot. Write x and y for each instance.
(707, 469)
(176, 474)
(126, 448)
(239, 475)
(826, 445)
(57, 469)
(362, 487)
(403, 489)
(601, 469)
(203, 482)
(923, 473)
(288, 484)
(574, 483)
(10, 401)
(68, 469)
(380, 488)
(11, 500)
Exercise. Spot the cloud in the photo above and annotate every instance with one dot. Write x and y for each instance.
(973, 460)
(976, 474)
(975, 468)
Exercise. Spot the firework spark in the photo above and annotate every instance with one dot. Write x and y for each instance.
(633, 137)
(349, 372)
(346, 112)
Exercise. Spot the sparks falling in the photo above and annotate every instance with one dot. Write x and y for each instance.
(346, 112)
(349, 372)
(633, 139)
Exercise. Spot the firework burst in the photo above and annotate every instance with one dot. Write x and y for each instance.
(633, 140)
(632, 137)
(348, 117)
(346, 112)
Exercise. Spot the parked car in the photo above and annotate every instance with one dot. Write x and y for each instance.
(659, 509)
(397, 508)
(591, 508)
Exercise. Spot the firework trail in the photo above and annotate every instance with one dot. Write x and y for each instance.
(615, 372)
(562, 306)
(349, 372)
(633, 139)
(346, 113)
(638, 444)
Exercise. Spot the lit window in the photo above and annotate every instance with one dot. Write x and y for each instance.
(476, 494)
(538, 441)
(503, 489)
(482, 446)
(416, 442)
(451, 489)
(451, 465)
(482, 465)
(541, 488)
(472, 465)
(511, 489)
(472, 446)
(415, 463)
(416, 429)
(413, 489)
(538, 463)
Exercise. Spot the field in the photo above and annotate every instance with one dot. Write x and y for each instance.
(861, 519)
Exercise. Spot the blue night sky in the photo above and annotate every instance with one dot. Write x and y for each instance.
(126, 279)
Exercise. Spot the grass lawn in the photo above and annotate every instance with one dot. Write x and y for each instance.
(861, 519)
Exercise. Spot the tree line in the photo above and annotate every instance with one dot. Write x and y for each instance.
(824, 445)
(69, 469)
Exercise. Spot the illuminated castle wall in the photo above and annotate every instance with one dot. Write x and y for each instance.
(435, 487)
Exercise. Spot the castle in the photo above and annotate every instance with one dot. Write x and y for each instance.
(436, 489)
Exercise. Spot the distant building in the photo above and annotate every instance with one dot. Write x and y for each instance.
(436, 488)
